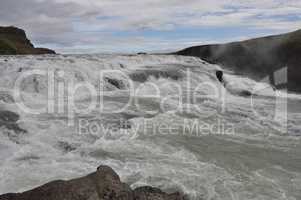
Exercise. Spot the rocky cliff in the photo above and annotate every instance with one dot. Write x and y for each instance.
(13, 41)
(257, 58)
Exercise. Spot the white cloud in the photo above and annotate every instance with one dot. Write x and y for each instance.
(86, 22)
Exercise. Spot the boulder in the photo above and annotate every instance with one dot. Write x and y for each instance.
(9, 120)
(104, 184)
(219, 75)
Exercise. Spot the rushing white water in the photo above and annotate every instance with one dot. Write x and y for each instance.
(183, 130)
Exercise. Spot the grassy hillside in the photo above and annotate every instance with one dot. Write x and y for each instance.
(6, 47)
(14, 41)
(258, 57)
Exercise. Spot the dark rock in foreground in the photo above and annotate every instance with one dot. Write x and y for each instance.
(9, 120)
(104, 184)
(258, 58)
(13, 41)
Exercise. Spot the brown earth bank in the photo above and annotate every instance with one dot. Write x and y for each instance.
(104, 184)
(13, 41)
(257, 58)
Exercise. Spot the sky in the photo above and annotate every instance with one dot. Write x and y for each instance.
(128, 26)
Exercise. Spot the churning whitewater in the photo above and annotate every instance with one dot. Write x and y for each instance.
(164, 121)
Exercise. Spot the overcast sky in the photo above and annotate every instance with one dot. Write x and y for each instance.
(91, 26)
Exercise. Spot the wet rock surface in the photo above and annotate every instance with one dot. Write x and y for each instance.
(9, 120)
(104, 184)
(219, 76)
(116, 83)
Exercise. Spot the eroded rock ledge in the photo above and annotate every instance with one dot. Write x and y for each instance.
(104, 184)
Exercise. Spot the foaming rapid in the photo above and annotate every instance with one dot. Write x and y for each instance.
(165, 121)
